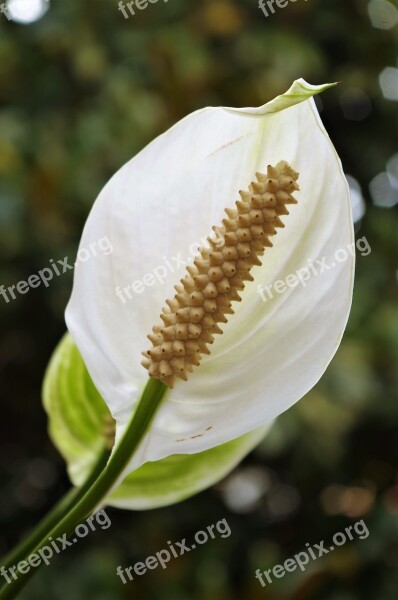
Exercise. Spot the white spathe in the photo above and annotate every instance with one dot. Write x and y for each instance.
(167, 198)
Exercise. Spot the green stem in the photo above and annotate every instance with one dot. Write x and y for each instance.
(56, 514)
(146, 409)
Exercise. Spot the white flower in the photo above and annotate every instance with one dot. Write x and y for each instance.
(167, 198)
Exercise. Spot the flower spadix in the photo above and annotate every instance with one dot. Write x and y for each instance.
(160, 208)
(205, 295)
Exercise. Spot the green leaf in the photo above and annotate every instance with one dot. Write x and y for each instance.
(78, 417)
(76, 411)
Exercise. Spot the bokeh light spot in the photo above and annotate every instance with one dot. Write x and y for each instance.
(383, 14)
(357, 201)
(355, 104)
(388, 80)
(27, 11)
(384, 190)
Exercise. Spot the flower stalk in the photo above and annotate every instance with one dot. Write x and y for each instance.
(58, 512)
(82, 507)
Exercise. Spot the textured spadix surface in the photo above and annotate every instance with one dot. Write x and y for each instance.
(205, 295)
(168, 198)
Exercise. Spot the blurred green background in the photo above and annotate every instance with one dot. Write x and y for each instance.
(82, 89)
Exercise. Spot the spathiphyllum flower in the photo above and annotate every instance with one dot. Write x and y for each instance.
(226, 232)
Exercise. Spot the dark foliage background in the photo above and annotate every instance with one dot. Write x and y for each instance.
(81, 91)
